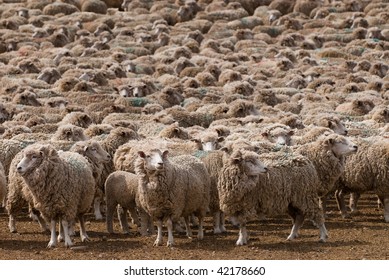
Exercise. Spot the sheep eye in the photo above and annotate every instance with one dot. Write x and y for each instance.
(33, 156)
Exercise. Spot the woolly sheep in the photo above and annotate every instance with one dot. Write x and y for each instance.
(69, 132)
(290, 187)
(328, 155)
(237, 181)
(365, 171)
(97, 157)
(55, 201)
(171, 189)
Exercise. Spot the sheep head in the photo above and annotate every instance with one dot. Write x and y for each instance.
(249, 162)
(154, 160)
(339, 145)
(33, 158)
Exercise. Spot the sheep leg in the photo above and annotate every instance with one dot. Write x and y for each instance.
(158, 241)
(187, 227)
(298, 219)
(109, 217)
(354, 197)
(216, 222)
(339, 195)
(11, 223)
(61, 232)
(36, 215)
(97, 210)
(200, 232)
(122, 214)
(53, 235)
(222, 222)
(144, 222)
(84, 236)
(65, 226)
(242, 240)
(169, 225)
(323, 204)
(134, 216)
(323, 233)
(385, 202)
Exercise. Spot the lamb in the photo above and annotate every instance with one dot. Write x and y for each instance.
(237, 181)
(62, 186)
(111, 143)
(171, 189)
(121, 188)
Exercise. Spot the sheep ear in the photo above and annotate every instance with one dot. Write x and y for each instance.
(220, 139)
(330, 141)
(164, 154)
(290, 133)
(224, 149)
(330, 124)
(265, 134)
(85, 148)
(142, 154)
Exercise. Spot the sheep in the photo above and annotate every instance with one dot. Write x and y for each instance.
(237, 181)
(365, 171)
(69, 132)
(96, 156)
(94, 6)
(121, 188)
(77, 118)
(111, 143)
(213, 161)
(356, 107)
(328, 155)
(289, 186)
(62, 186)
(327, 120)
(171, 189)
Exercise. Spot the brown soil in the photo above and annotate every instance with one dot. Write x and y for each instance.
(365, 236)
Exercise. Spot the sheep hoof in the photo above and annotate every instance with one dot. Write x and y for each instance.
(99, 217)
(241, 243)
(51, 245)
(169, 244)
(157, 243)
(322, 240)
(85, 239)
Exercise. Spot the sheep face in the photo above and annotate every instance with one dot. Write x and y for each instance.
(33, 158)
(340, 145)
(251, 165)
(96, 153)
(154, 160)
(337, 126)
(279, 136)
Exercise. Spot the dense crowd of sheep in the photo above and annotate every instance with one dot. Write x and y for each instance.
(174, 110)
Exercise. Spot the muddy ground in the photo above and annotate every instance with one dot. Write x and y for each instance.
(365, 236)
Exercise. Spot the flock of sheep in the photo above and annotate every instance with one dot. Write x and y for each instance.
(175, 110)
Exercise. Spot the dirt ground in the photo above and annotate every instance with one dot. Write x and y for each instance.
(365, 236)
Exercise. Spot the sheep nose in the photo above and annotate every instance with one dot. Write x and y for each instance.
(266, 169)
(355, 147)
(345, 132)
